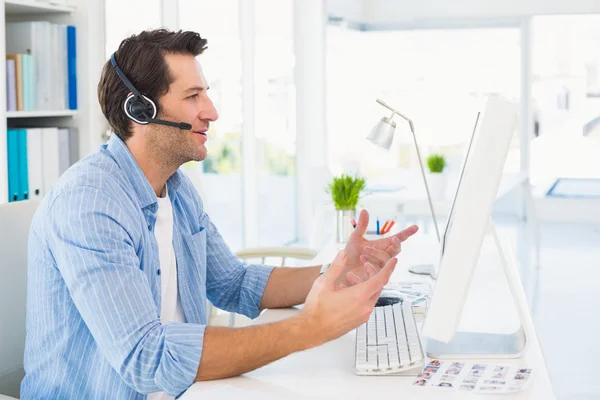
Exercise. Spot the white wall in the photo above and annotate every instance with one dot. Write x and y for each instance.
(311, 119)
(406, 13)
(89, 19)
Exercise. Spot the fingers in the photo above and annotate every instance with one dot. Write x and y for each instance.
(382, 278)
(361, 225)
(355, 277)
(394, 248)
(371, 270)
(336, 268)
(406, 233)
(377, 282)
(376, 257)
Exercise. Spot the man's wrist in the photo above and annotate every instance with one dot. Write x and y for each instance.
(307, 330)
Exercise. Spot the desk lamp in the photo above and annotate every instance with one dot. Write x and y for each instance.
(382, 135)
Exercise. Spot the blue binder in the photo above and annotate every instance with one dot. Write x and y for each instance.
(13, 165)
(72, 66)
(23, 165)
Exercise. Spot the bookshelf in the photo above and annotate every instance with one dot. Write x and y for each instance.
(88, 18)
(34, 7)
(41, 114)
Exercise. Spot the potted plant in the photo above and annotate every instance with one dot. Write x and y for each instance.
(345, 191)
(436, 179)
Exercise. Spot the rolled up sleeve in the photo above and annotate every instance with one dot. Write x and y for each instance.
(231, 284)
(92, 241)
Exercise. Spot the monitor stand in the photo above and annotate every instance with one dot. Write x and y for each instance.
(423, 269)
(491, 345)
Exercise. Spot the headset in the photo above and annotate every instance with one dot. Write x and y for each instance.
(140, 108)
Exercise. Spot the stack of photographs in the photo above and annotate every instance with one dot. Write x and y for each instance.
(474, 377)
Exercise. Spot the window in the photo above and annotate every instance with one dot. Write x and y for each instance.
(275, 122)
(566, 97)
(218, 178)
(438, 78)
(120, 24)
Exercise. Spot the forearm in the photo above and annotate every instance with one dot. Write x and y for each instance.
(230, 352)
(288, 287)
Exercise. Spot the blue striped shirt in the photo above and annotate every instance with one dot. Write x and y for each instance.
(94, 290)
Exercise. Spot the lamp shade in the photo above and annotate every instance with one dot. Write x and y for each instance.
(382, 133)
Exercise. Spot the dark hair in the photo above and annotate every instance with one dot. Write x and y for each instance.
(141, 58)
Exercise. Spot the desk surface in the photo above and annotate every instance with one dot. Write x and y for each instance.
(328, 371)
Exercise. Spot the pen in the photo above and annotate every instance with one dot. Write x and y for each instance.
(384, 226)
(390, 226)
(378, 225)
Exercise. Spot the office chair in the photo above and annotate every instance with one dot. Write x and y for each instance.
(262, 254)
(15, 220)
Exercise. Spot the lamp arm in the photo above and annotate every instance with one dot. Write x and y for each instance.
(412, 130)
(394, 111)
(435, 224)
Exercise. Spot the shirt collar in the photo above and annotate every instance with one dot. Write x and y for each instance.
(141, 186)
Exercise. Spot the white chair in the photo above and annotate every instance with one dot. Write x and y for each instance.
(15, 220)
(264, 253)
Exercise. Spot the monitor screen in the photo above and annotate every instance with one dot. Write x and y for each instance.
(469, 217)
(462, 171)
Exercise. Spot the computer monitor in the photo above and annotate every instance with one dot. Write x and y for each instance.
(469, 219)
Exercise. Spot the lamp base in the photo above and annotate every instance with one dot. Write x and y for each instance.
(423, 269)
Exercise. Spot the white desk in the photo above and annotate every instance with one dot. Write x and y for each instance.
(328, 371)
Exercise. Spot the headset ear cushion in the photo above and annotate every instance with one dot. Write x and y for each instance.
(151, 109)
(138, 109)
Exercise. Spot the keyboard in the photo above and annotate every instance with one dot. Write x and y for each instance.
(389, 342)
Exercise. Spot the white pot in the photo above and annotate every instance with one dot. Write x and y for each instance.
(437, 182)
(344, 225)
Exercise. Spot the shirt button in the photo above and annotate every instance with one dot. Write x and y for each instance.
(158, 272)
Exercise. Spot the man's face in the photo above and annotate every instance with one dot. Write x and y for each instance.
(186, 101)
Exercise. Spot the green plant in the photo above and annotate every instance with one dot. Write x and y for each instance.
(436, 163)
(345, 190)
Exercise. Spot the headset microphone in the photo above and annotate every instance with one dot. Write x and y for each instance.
(140, 108)
(181, 125)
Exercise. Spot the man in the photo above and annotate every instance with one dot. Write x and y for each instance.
(122, 256)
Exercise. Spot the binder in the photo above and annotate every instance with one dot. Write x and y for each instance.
(31, 77)
(34, 37)
(35, 169)
(22, 160)
(63, 72)
(11, 86)
(50, 158)
(18, 78)
(13, 165)
(73, 146)
(64, 155)
(72, 66)
(28, 82)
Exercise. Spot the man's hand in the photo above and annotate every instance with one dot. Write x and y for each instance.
(367, 257)
(332, 309)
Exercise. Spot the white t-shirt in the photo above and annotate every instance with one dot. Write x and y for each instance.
(170, 308)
